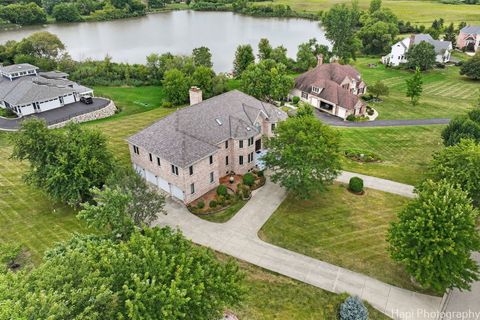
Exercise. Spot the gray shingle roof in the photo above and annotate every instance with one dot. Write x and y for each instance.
(440, 46)
(194, 132)
(470, 29)
(27, 89)
(17, 67)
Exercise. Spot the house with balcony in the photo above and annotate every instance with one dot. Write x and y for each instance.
(332, 88)
(24, 90)
(469, 38)
(186, 153)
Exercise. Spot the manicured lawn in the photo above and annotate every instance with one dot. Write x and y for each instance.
(271, 296)
(224, 215)
(415, 11)
(341, 228)
(445, 92)
(405, 151)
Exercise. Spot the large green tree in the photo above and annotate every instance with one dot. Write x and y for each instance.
(340, 23)
(435, 237)
(308, 52)
(421, 56)
(379, 89)
(379, 30)
(202, 57)
(463, 127)
(471, 67)
(176, 85)
(267, 80)
(23, 13)
(203, 77)
(41, 45)
(264, 49)
(303, 156)
(64, 163)
(460, 165)
(243, 58)
(66, 12)
(154, 274)
(414, 87)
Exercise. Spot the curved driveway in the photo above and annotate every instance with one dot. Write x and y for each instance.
(238, 238)
(337, 122)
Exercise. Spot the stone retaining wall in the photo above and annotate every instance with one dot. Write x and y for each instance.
(105, 112)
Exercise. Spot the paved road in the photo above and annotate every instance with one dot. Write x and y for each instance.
(337, 122)
(56, 115)
(238, 238)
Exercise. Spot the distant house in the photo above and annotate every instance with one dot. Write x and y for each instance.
(332, 88)
(25, 90)
(469, 38)
(398, 55)
(186, 153)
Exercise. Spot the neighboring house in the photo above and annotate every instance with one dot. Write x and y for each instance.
(469, 38)
(332, 88)
(186, 153)
(398, 55)
(25, 90)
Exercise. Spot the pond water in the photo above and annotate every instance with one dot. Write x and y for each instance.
(178, 32)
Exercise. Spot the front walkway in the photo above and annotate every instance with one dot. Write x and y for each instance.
(238, 238)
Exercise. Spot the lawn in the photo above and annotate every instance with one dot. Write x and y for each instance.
(341, 228)
(415, 11)
(445, 92)
(405, 151)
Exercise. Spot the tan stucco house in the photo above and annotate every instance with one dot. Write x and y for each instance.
(332, 88)
(186, 153)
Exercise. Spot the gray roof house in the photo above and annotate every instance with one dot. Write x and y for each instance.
(469, 38)
(187, 152)
(25, 91)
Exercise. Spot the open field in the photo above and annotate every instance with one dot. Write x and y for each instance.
(445, 92)
(415, 11)
(405, 151)
(341, 228)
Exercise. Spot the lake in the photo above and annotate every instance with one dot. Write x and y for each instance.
(178, 32)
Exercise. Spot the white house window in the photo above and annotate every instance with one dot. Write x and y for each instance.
(150, 157)
(212, 176)
(240, 143)
(250, 141)
(190, 170)
(175, 170)
(250, 157)
(226, 144)
(158, 161)
(192, 188)
(240, 160)
(226, 160)
(136, 150)
(210, 159)
(304, 95)
(315, 89)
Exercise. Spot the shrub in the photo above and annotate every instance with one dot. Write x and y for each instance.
(361, 155)
(248, 179)
(351, 117)
(353, 309)
(356, 185)
(221, 201)
(201, 204)
(167, 104)
(212, 204)
(260, 173)
(295, 100)
(222, 190)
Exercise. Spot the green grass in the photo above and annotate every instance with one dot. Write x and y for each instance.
(405, 151)
(445, 92)
(341, 228)
(415, 11)
(224, 215)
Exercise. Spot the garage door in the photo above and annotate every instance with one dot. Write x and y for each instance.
(341, 112)
(139, 170)
(177, 192)
(150, 177)
(163, 184)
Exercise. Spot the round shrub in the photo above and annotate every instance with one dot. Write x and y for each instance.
(212, 204)
(222, 190)
(295, 100)
(356, 185)
(248, 179)
(260, 173)
(221, 200)
(351, 117)
(201, 204)
(353, 309)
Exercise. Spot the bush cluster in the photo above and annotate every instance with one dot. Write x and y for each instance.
(361, 155)
(355, 185)
(248, 179)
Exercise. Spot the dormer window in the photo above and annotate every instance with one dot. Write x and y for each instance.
(315, 89)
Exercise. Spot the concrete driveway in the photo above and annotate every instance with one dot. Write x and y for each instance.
(238, 238)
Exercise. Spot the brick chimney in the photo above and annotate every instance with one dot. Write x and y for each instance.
(195, 95)
(320, 59)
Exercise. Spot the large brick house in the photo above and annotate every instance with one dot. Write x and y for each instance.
(332, 88)
(469, 38)
(186, 153)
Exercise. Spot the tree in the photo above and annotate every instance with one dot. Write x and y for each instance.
(264, 49)
(303, 156)
(304, 110)
(462, 127)
(308, 52)
(471, 68)
(65, 164)
(176, 85)
(66, 12)
(154, 274)
(375, 5)
(435, 236)
(8, 253)
(23, 13)
(339, 23)
(414, 87)
(203, 78)
(202, 57)
(156, 3)
(451, 34)
(41, 45)
(279, 55)
(379, 89)
(266, 80)
(421, 56)
(243, 58)
(378, 32)
(460, 165)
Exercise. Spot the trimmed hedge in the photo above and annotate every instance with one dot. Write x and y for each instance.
(356, 185)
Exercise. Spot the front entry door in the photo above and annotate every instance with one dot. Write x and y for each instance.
(258, 144)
